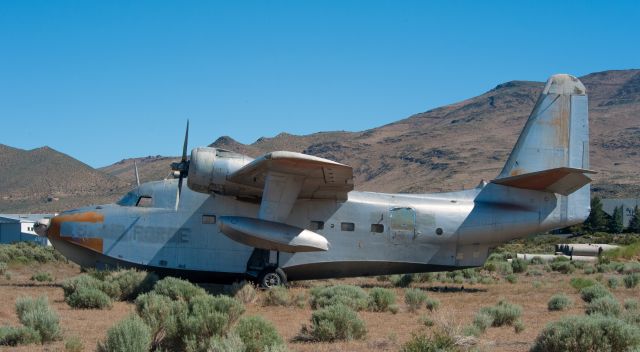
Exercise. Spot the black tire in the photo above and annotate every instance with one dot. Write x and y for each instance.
(271, 277)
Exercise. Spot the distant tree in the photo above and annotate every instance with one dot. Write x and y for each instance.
(615, 222)
(597, 220)
(634, 224)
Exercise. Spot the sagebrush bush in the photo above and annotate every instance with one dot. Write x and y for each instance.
(439, 341)
(130, 335)
(607, 306)
(519, 265)
(87, 281)
(482, 321)
(258, 334)
(73, 344)
(587, 333)
(501, 267)
(579, 283)
(612, 282)
(503, 313)
(244, 291)
(336, 322)
(14, 336)
(537, 260)
(131, 282)
(381, 299)
(3, 268)
(178, 289)
(518, 326)
(559, 301)
(564, 267)
(631, 304)
(351, 296)
(42, 276)
(277, 296)
(27, 252)
(229, 343)
(88, 298)
(631, 280)
(592, 292)
(36, 314)
(511, 278)
(432, 304)
(414, 298)
(403, 280)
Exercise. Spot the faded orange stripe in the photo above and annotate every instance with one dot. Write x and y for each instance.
(95, 244)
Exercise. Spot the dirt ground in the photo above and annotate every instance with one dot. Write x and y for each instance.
(386, 331)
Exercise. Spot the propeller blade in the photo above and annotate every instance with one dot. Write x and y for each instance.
(186, 140)
(178, 192)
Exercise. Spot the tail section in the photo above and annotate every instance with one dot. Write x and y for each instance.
(556, 134)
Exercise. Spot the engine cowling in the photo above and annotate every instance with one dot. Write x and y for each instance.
(209, 168)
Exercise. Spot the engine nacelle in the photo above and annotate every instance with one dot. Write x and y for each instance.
(209, 167)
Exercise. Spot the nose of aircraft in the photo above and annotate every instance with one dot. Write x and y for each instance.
(41, 226)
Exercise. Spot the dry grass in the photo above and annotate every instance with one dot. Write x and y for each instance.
(386, 331)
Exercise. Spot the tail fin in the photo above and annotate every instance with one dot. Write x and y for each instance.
(556, 134)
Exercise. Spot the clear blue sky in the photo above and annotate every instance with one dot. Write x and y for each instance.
(106, 80)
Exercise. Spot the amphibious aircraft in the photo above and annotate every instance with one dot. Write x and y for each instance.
(290, 216)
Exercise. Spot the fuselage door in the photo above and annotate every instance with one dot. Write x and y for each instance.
(402, 224)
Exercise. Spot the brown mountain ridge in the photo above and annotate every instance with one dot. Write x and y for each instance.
(453, 146)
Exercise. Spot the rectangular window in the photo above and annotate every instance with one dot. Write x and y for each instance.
(378, 228)
(347, 226)
(144, 202)
(208, 219)
(316, 225)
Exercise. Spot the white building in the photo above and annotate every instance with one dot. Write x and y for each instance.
(19, 227)
(628, 204)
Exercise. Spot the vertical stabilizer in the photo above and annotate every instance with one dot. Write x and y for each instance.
(556, 134)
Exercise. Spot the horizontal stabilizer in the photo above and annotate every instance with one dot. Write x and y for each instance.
(562, 180)
(271, 235)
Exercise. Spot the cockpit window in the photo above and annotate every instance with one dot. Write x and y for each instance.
(144, 202)
(130, 199)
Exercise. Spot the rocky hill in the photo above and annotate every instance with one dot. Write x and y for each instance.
(447, 148)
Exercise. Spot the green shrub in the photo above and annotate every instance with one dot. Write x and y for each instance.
(579, 283)
(130, 283)
(73, 344)
(87, 281)
(14, 336)
(559, 301)
(380, 299)
(592, 292)
(503, 268)
(27, 252)
(244, 291)
(37, 315)
(129, 335)
(432, 304)
(351, 296)
(612, 282)
(631, 280)
(88, 298)
(518, 326)
(587, 333)
(426, 321)
(300, 300)
(439, 341)
(511, 278)
(178, 289)
(258, 334)
(607, 306)
(229, 343)
(482, 321)
(564, 267)
(631, 304)
(589, 270)
(414, 298)
(337, 322)
(402, 280)
(631, 267)
(277, 296)
(42, 276)
(519, 265)
(503, 313)
(537, 260)
(3, 268)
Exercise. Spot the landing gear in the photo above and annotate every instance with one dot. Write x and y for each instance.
(271, 277)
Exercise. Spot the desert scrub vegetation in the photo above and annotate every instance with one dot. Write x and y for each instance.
(27, 253)
(244, 292)
(258, 334)
(588, 333)
(130, 334)
(606, 306)
(579, 283)
(631, 280)
(593, 292)
(414, 299)
(3, 268)
(613, 282)
(277, 296)
(519, 265)
(335, 322)
(73, 344)
(42, 276)
(503, 313)
(562, 265)
(381, 300)
(40, 323)
(353, 297)
(435, 342)
(559, 301)
(88, 298)
(432, 304)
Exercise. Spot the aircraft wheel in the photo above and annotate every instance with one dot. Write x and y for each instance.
(272, 277)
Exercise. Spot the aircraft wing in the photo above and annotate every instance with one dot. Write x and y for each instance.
(562, 180)
(285, 177)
